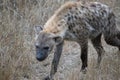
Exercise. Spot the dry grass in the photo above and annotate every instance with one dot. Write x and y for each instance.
(17, 61)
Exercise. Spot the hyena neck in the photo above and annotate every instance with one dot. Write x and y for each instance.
(56, 25)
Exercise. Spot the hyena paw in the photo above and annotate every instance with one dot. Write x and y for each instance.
(84, 71)
(48, 78)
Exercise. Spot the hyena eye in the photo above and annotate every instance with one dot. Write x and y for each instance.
(37, 47)
(46, 48)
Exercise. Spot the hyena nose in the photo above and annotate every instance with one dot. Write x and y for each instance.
(40, 57)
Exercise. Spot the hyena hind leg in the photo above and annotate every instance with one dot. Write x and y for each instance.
(112, 40)
(99, 48)
(118, 35)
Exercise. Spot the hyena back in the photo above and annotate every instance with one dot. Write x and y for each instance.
(78, 22)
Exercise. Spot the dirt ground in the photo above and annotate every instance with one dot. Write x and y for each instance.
(17, 52)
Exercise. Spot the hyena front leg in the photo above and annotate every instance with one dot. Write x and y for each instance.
(98, 46)
(84, 54)
(55, 61)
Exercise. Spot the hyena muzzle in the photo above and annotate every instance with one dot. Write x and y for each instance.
(78, 22)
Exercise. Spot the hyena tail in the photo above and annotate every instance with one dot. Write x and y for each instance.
(111, 33)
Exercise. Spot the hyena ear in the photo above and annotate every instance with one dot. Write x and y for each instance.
(57, 39)
(38, 29)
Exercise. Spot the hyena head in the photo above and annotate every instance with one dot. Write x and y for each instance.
(44, 43)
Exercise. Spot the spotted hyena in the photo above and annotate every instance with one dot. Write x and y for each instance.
(76, 21)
